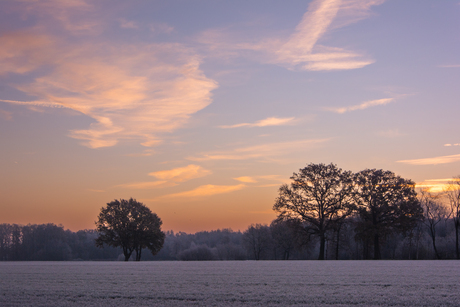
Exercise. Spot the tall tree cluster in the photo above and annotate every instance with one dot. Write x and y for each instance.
(321, 197)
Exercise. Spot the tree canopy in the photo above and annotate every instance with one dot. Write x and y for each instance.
(386, 203)
(130, 225)
(319, 196)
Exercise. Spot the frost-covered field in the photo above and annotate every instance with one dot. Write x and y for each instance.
(231, 283)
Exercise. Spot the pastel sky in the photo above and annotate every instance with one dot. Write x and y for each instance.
(202, 109)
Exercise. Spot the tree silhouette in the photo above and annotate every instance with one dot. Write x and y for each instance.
(453, 193)
(257, 240)
(386, 203)
(434, 212)
(319, 196)
(130, 225)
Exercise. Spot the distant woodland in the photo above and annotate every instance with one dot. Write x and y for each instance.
(259, 242)
(325, 213)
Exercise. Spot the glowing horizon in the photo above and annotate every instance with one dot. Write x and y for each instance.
(202, 110)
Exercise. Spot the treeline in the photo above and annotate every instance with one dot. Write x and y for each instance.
(277, 241)
(51, 243)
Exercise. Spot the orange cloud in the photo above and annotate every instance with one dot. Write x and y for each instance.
(169, 178)
(255, 179)
(246, 179)
(207, 190)
(181, 174)
(133, 92)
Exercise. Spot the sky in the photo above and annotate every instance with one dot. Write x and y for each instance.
(201, 109)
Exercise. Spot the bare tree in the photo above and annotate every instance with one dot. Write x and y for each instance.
(386, 203)
(434, 212)
(257, 240)
(130, 225)
(319, 196)
(285, 236)
(453, 194)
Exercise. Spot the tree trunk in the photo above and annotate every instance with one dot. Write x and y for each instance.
(433, 240)
(337, 244)
(457, 224)
(127, 253)
(365, 249)
(138, 254)
(322, 245)
(377, 255)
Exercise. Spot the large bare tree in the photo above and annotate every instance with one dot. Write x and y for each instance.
(130, 225)
(386, 203)
(319, 197)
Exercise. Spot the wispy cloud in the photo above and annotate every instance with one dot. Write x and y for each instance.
(449, 145)
(147, 185)
(432, 161)
(78, 17)
(261, 151)
(207, 190)
(271, 121)
(301, 51)
(145, 153)
(246, 179)
(181, 174)
(133, 92)
(361, 106)
(256, 179)
(169, 178)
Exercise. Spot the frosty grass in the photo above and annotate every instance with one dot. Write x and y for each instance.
(231, 283)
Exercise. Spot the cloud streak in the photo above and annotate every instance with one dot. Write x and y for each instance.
(263, 151)
(432, 161)
(181, 174)
(362, 106)
(271, 121)
(302, 50)
(169, 178)
(207, 190)
(147, 185)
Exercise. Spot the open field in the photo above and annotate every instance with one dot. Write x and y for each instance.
(230, 283)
